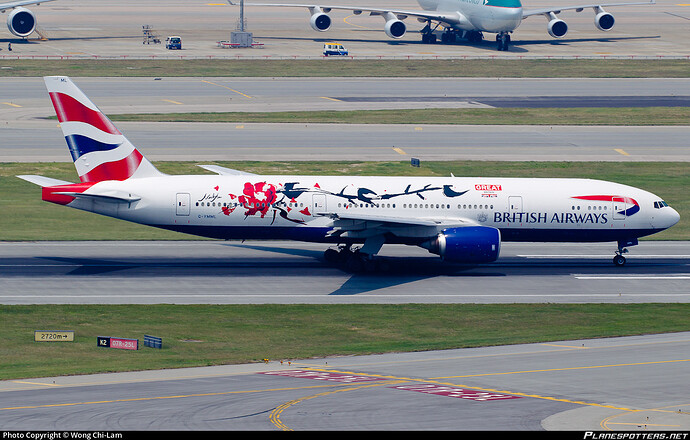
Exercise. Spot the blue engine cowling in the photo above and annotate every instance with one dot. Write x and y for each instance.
(471, 244)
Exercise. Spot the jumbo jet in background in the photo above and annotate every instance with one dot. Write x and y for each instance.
(461, 19)
(462, 219)
(21, 21)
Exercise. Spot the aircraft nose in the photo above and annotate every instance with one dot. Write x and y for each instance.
(672, 216)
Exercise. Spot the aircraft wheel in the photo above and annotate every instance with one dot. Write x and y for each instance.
(619, 260)
(355, 264)
(331, 255)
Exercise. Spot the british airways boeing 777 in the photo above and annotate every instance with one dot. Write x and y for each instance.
(462, 219)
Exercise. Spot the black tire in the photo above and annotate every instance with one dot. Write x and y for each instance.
(619, 260)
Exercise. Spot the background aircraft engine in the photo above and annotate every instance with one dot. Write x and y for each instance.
(21, 22)
(471, 244)
(604, 21)
(395, 28)
(320, 22)
(557, 28)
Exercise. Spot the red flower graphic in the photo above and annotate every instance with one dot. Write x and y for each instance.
(256, 198)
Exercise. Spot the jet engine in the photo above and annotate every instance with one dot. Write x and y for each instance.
(604, 21)
(471, 244)
(395, 28)
(320, 22)
(21, 22)
(557, 28)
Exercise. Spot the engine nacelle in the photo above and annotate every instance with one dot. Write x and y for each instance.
(395, 28)
(320, 22)
(21, 22)
(557, 28)
(471, 244)
(604, 21)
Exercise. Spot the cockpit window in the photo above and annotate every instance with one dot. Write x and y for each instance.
(660, 204)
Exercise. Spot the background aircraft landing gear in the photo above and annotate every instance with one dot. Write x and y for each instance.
(503, 40)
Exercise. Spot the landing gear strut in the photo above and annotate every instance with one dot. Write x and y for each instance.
(428, 36)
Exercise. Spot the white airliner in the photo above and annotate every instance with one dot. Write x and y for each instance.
(462, 219)
(461, 19)
(21, 21)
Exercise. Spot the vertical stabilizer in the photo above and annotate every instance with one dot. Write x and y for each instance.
(99, 151)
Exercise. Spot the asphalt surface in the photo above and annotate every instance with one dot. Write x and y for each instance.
(28, 136)
(631, 384)
(289, 272)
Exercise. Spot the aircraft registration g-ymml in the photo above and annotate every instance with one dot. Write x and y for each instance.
(454, 20)
(21, 21)
(462, 219)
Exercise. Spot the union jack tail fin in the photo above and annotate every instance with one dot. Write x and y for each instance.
(99, 151)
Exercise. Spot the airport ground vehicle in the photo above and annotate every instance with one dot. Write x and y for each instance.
(173, 43)
(334, 49)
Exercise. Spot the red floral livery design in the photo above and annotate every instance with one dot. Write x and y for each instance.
(257, 198)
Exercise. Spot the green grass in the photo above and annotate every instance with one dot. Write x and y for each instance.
(464, 116)
(200, 335)
(350, 68)
(32, 219)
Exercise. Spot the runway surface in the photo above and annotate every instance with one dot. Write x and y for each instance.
(28, 136)
(617, 384)
(211, 272)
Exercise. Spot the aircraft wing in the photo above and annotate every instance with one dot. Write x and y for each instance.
(19, 3)
(359, 225)
(578, 8)
(446, 17)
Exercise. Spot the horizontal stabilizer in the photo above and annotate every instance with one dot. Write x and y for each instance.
(112, 197)
(225, 171)
(43, 181)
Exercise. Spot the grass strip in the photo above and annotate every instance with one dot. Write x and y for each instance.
(200, 335)
(32, 219)
(638, 116)
(455, 68)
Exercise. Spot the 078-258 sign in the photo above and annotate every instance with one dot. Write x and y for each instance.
(121, 343)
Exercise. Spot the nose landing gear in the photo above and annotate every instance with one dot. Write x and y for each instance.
(619, 259)
(503, 40)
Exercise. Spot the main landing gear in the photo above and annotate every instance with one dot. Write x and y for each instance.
(357, 260)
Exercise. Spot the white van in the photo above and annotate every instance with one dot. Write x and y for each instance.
(333, 49)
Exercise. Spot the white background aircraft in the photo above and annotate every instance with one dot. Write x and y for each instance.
(462, 219)
(21, 21)
(461, 19)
